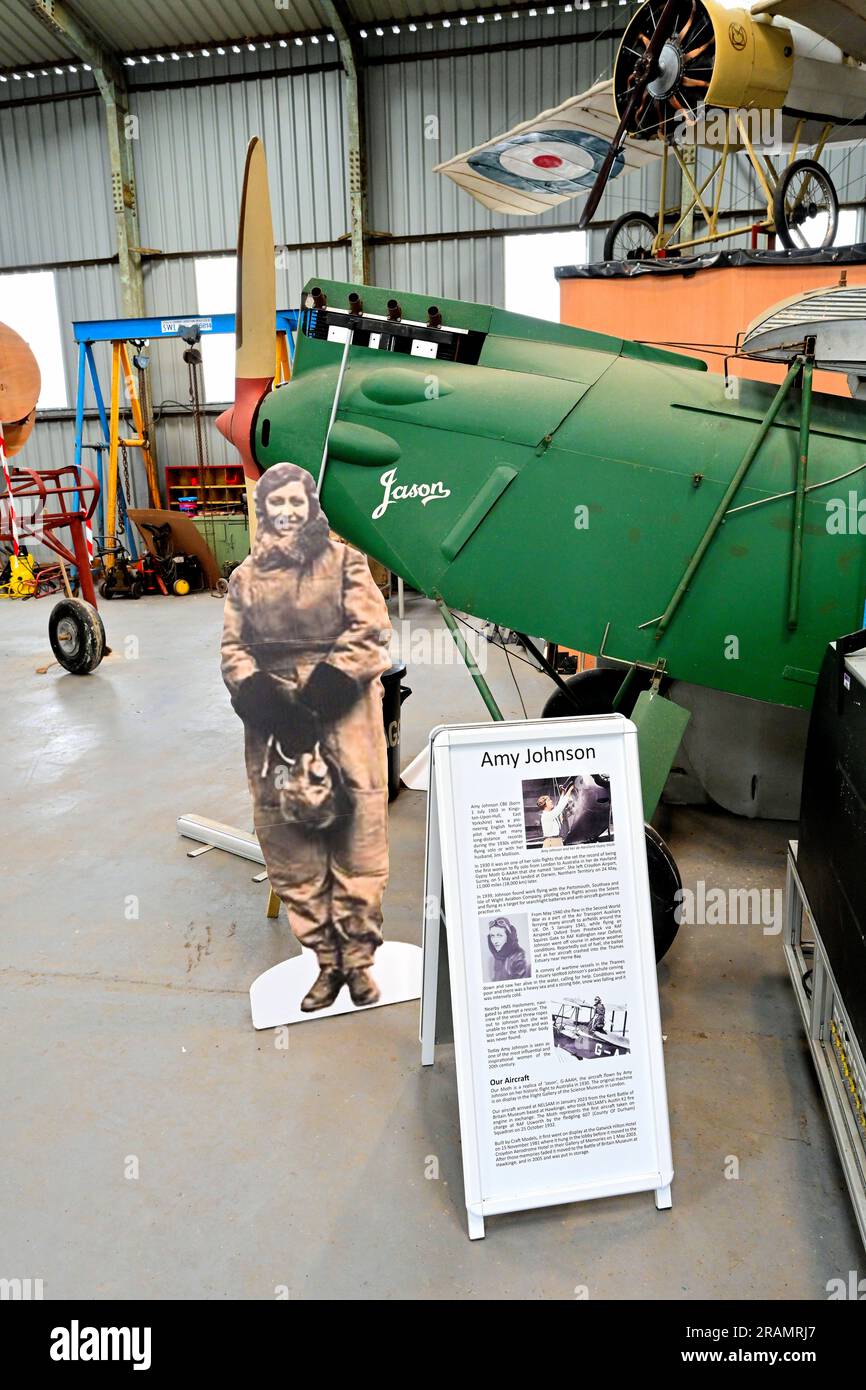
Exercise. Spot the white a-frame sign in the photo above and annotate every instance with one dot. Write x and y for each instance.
(536, 861)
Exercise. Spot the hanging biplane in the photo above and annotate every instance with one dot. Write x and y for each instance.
(576, 1031)
(773, 81)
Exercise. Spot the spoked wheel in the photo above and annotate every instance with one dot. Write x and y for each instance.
(76, 635)
(806, 207)
(630, 238)
(593, 692)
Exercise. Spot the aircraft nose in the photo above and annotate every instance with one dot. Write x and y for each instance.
(224, 423)
(236, 423)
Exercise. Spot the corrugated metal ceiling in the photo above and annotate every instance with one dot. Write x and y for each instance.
(24, 38)
(393, 11)
(130, 28)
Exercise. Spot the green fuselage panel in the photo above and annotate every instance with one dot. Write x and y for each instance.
(563, 482)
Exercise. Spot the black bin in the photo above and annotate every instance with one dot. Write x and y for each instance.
(395, 693)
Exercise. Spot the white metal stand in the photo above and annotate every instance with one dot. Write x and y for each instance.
(449, 894)
(835, 1048)
(213, 834)
(433, 908)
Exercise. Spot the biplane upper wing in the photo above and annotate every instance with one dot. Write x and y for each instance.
(843, 22)
(550, 159)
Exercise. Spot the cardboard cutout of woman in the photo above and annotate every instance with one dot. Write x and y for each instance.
(305, 640)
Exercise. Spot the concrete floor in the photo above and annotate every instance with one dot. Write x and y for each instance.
(129, 1039)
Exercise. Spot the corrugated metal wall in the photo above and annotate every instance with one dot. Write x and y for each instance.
(484, 80)
(194, 121)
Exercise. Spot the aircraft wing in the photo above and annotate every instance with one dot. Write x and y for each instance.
(843, 22)
(550, 159)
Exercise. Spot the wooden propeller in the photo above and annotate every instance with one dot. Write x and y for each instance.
(644, 73)
(256, 308)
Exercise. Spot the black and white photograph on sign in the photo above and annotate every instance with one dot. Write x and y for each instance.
(587, 1028)
(559, 812)
(505, 948)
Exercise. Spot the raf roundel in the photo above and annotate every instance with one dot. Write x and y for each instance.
(546, 161)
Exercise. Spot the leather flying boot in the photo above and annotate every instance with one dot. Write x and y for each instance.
(362, 986)
(324, 989)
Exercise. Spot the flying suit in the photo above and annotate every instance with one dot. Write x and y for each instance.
(305, 640)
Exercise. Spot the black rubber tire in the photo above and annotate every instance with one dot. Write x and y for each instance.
(801, 166)
(665, 887)
(639, 219)
(594, 691)
(76, 635)
(105, 647)
(106, 588)
(136, 589)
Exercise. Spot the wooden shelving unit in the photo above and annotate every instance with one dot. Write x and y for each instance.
(224, 490)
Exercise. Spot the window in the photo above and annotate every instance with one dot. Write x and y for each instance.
(530, 284)
(28, 303)
(216, 293)
(849, 227)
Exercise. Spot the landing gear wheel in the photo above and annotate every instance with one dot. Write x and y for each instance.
(76, 635)
(594, 693)
(806, 207)
(631, 238)
(665, 887)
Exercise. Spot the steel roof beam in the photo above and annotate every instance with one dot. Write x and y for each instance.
(341, 22)
(108, 72)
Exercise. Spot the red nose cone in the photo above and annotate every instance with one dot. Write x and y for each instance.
(236, 423)
(224, 423)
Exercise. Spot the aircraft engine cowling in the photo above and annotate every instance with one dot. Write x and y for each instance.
(715, 57)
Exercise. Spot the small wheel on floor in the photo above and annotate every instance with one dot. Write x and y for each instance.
(76, 635)
(106, 650)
